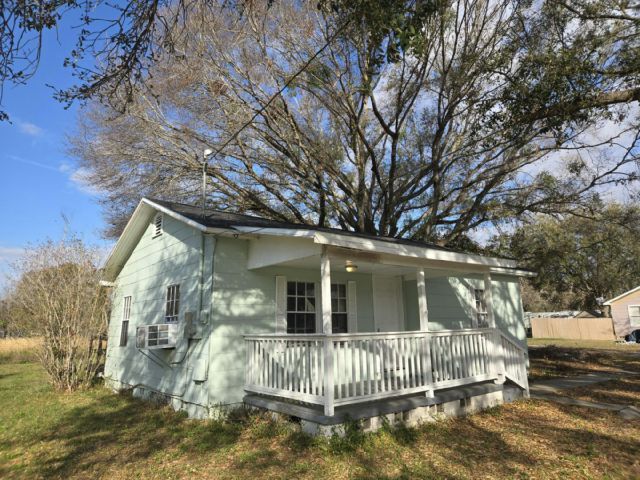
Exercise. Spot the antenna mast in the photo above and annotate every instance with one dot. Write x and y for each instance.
(205, 158)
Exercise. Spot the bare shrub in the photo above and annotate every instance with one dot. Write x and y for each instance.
(57, 285)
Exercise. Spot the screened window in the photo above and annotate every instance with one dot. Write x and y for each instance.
(301, 307)
(173, 304)
(482, 319)
(339, 307)
(124, 327)
(634, 314)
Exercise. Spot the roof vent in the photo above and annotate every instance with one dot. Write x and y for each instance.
(157, 224)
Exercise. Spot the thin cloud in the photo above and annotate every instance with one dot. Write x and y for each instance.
(8, 254)
(30, 129)
(80, 179)
(26, 161)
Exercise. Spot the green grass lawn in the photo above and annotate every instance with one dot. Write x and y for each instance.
(95, 433)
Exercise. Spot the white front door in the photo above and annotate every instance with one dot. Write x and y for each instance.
(388, 311)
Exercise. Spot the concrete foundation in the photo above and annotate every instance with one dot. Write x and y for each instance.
(411, 411)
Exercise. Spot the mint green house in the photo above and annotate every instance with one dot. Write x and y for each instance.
(214, 309)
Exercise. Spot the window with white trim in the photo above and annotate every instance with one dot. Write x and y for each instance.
(157, 224)
(124, 326)
(339, 308)
(482, 318)
(301, 307)
(634, 314)
(173, 304)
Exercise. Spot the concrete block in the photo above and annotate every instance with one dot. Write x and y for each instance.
(317, 430)
(453, 409)
(482, 402)
(511, 394)
(419, 416)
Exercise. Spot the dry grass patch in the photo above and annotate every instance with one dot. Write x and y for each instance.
(18, 350)
(552, 361)
(623, 391)
(96, 434)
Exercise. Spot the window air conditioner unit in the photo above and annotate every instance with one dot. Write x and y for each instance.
(161, 335)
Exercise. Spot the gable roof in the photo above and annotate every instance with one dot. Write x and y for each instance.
(615, 299)
(214, 221)
(220, 219)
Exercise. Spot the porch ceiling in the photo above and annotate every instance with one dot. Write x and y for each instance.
(339, 263)
(369, 264)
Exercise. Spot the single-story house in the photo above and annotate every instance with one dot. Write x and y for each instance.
(213, 309)
(625, 312)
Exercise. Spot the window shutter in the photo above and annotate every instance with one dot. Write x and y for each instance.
(281, 304)
(352, 308)
(473, 315)
(634, 314)
(318, 292)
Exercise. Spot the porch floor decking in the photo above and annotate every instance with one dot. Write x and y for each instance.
(360, 411)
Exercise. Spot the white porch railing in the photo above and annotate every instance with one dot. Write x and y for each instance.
(366, 366)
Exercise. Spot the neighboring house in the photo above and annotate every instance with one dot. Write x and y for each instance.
(213, 309)
(625, 311)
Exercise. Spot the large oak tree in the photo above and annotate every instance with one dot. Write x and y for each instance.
(357, 118)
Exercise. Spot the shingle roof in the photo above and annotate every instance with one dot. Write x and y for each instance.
(220, 219)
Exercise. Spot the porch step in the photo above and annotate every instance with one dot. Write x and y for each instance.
(314, 413)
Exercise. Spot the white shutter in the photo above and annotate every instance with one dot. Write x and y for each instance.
(352, 308)
(281, 304)
(472, 303)
(318, 294)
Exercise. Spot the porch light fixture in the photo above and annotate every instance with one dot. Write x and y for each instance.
(350, 267)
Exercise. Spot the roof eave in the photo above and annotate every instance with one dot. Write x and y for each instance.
(615, 299)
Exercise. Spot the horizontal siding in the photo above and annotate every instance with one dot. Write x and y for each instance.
(154, 264)
(620, 314)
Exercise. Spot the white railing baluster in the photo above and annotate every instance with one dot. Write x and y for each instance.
(339, 369)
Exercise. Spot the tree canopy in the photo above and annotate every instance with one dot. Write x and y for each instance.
(479, 113)
(580, 259)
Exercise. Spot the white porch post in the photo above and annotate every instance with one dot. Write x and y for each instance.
(498, 358)
(424, 327)
(422, 300)
(325, 293)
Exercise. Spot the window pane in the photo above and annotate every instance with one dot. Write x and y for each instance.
(291, 304)
(342, 305)
(342, 290)
(334, 305)
(339, 322)
(291, 322)
(311, 290)
(634, 310)
(300, 288)
(311, 305)
(291, 288)
(310, 323)
(301, 319)
(334, 290)
(300, 306)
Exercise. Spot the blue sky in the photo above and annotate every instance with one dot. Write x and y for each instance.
(40, 182)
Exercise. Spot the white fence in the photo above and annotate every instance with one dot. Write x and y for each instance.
(366, 366)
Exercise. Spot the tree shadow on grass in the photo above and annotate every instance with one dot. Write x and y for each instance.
(117, 430)
(473, 447)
